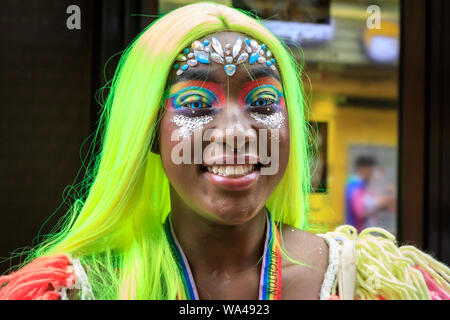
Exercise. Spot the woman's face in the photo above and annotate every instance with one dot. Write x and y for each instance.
(224, 140)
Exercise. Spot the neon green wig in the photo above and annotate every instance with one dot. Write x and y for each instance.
(118, 229)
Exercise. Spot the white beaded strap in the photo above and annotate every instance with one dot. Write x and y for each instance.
(333, 264)
(347, 270)
(82, 282)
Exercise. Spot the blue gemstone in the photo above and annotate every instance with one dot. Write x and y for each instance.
(175, 66)
(205, 43)
(254, 56)
(229, 69)
(273, 60)
(184, 67)
(263, 46)
(202, 58)
(268, 63)
(247, 41)
(186, 50)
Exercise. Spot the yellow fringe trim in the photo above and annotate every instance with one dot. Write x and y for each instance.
(386, 270)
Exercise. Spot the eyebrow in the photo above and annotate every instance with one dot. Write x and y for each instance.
(263, 71)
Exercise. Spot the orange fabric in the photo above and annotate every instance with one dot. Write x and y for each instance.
(39, 280)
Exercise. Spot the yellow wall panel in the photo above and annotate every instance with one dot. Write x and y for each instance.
(346, 126)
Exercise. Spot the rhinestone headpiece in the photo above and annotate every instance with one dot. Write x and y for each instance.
(228, 55)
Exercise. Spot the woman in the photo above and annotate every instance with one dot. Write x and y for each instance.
(200, 189)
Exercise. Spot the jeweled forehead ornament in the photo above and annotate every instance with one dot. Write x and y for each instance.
(228, 55)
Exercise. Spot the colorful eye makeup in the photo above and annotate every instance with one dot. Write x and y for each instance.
(265, 99)
(194, 103)
(194, 98)
(262, 95)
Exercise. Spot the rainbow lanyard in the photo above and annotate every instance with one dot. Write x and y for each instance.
(270, 279)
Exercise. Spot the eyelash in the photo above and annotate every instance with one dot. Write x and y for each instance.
(194, 101)
(189, 104)
(272, 101)
(262, 100)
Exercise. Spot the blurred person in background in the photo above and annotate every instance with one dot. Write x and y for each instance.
(362, 205)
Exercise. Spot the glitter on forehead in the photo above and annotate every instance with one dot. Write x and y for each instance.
(228, 54)
(273, 121)
(188, 125)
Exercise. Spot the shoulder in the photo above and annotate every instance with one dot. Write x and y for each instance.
(305, 245)
(304, 280)
(55, 277)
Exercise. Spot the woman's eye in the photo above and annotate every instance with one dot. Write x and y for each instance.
(194, 100)
(263, 99)
(263, 102)
(196, 105)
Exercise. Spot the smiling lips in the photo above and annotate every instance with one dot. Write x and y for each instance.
(228, 174)
(234, 177)
(231, 171)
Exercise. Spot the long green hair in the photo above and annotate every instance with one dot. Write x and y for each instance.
(117, 227)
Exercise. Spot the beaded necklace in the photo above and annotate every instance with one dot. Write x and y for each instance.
(270, 278)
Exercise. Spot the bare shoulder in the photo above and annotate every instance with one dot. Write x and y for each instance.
(304, 280)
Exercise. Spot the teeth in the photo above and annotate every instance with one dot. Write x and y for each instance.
(231, 170)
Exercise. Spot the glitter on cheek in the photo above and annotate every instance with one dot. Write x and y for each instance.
(188, 125)
(273, 121)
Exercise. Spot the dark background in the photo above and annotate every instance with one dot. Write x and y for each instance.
(50, 76)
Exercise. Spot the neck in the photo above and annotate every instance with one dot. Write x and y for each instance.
(213, 247)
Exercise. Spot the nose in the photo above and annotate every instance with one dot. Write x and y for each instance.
(234, 129)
